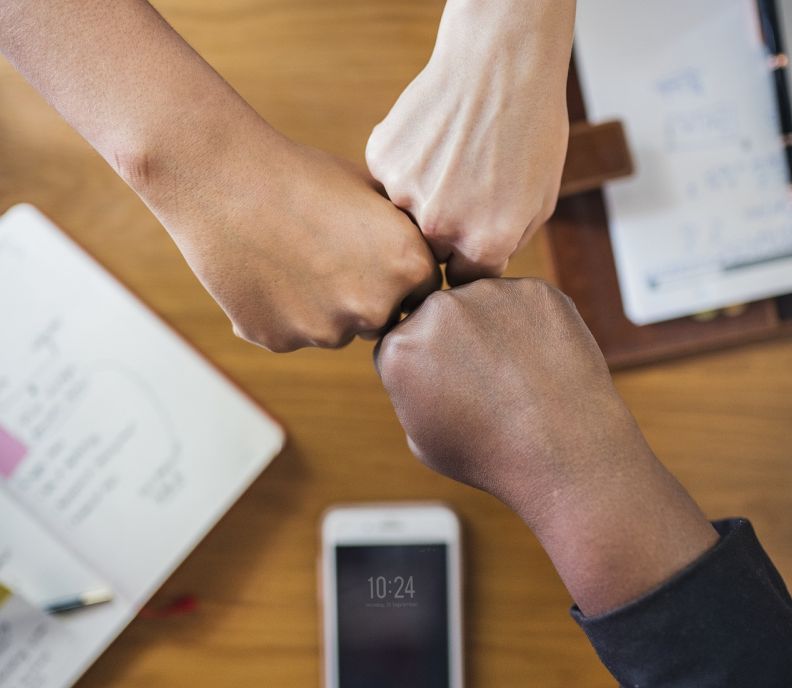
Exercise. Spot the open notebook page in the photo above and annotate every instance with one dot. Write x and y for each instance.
(707, 220)
(117, 440)
(34, 648)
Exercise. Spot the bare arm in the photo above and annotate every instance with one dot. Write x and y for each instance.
(475, 146)
(271, 228)
(500, 385)
(123, 79)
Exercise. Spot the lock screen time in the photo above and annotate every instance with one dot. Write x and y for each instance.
(392, 616)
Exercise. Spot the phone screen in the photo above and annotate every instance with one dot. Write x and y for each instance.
(392, 616)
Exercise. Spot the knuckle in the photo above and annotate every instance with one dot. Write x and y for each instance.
(372, 317)
(537, 288)
(337, 330)
(544, 292)
(379, 160)
(395, 352)
(441, 305)
(396, 185)
(548, 210)
(421, 268)
(411, 263)
(362, 313)
(399, 194)
(280, 346)
(275, 344)
(328, 338)
(405, 347)
(436, 224)
(488, 252)
(244, 333)
(474, 301)
(374, 148)
(488, 286)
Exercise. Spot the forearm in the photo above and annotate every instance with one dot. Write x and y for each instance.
(537, 33)
(126, 81)
(616, 533)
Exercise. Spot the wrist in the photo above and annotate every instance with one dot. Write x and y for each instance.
(176, 144)
(542, 30)
(620, 529)
(183, 167)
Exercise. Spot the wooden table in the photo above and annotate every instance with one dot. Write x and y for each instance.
(325, 73)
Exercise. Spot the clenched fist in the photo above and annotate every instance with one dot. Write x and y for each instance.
(294, 244)
(298, 247)
(474, 148)
(500, 385)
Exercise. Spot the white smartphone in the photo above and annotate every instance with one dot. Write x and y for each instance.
(391, 590)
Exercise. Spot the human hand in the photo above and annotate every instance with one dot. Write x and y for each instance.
(475, 146)
(294, 244)
(500, 385)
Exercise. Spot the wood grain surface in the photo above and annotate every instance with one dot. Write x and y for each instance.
(324, 72)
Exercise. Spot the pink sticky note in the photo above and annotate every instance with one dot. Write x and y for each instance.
(12, 451)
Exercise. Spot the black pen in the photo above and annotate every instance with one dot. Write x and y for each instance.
(779, 61)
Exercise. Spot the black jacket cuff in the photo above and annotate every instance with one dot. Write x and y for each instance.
(725, 620)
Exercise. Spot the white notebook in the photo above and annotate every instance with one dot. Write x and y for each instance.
(707, 220)
(120, 447)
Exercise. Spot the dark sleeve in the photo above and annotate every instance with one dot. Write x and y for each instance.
(725, 621)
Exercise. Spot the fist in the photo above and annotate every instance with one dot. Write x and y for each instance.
(474, 148)
(500, 385)
(297, 246)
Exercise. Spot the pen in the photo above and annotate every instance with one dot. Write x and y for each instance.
(85, 599)
(773, 38)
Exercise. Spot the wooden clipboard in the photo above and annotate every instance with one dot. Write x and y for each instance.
(584, 266)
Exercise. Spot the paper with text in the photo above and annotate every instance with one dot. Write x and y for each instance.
(120, 446)
(707, 220)
(34, 648)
